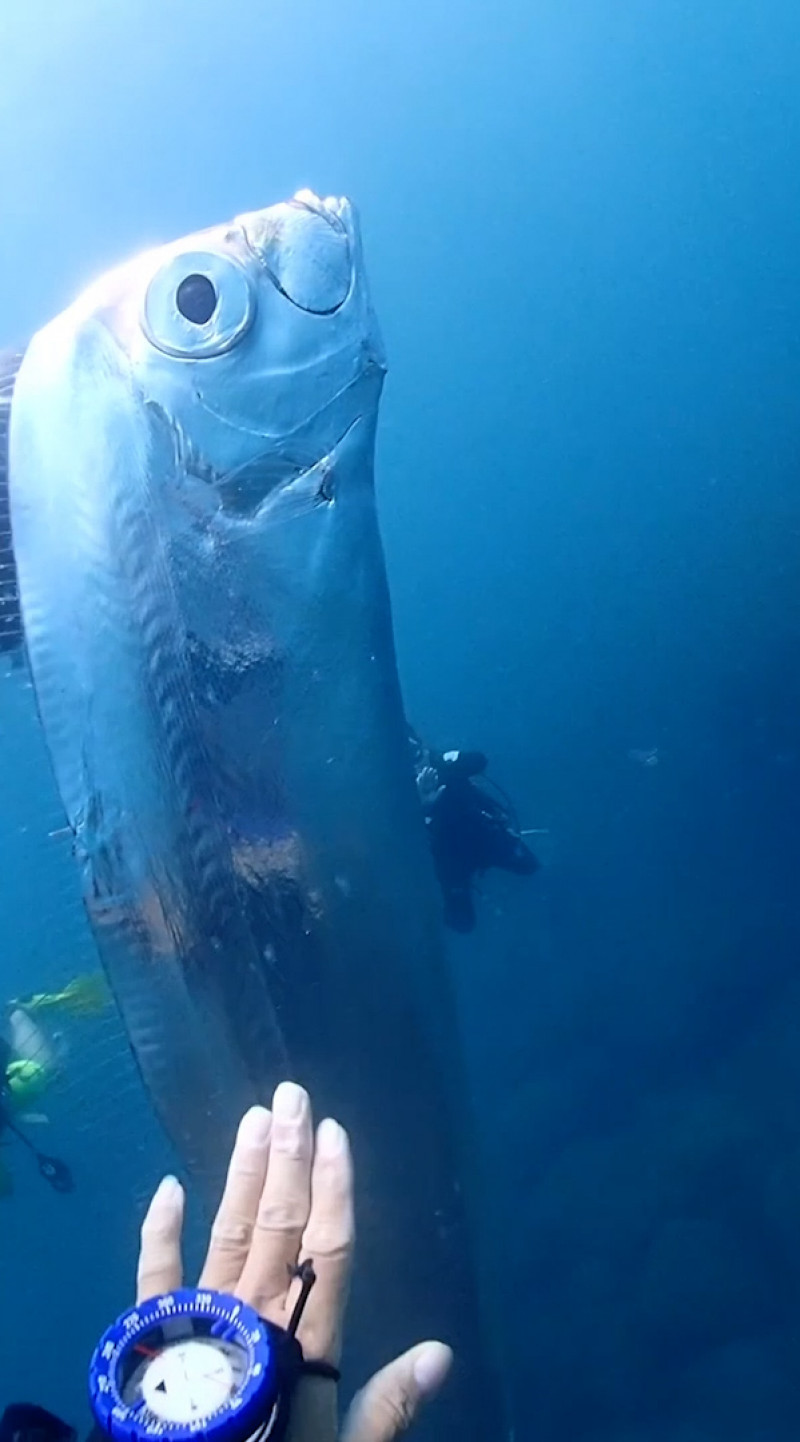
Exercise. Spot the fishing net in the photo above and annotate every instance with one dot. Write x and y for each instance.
(75, 1092)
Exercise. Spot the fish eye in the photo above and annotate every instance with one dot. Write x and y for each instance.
(196, 299)
(199, 304)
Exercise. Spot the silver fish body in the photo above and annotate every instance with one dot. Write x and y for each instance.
(208, 627)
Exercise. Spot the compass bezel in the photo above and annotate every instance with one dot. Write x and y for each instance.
(218, 1315)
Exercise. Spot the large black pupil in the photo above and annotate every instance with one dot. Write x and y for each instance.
(196, 299)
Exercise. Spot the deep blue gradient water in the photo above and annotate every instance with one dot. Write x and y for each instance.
(582, 224)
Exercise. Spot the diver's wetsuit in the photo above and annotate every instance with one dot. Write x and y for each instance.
(25, 1422)
(469, 830)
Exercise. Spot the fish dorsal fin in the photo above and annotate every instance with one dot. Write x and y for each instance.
(10, 619)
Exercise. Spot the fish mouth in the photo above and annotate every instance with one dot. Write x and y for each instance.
(306, 246)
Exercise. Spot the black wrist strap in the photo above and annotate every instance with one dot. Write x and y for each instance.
(306, 1276)
(320, 1369)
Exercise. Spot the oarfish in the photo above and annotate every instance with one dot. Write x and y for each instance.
(207, 623)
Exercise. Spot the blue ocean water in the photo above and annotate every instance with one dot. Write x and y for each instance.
(582, 225)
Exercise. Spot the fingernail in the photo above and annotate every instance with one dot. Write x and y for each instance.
(255, 1127)
(431, 1367)
(330, 1138)
(169, 1189)
(288, 1101)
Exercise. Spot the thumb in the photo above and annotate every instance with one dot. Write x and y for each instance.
(393, 1398)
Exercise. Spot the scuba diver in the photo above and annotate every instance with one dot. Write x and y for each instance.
(470, 830)
(29, 1065)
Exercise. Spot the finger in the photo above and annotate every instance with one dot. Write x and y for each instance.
(283, 1209)
(232, 1230)
(160, 1268)
(393, 1398)
(328, 1240)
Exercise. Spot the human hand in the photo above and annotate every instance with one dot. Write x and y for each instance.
(289, 1196)
(428, 788)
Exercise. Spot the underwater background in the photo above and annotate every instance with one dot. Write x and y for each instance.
(582, 229)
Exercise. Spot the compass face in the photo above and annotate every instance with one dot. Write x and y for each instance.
(188, 1380)
(185, 1363)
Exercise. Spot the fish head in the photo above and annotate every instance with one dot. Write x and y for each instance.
(255, 342)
